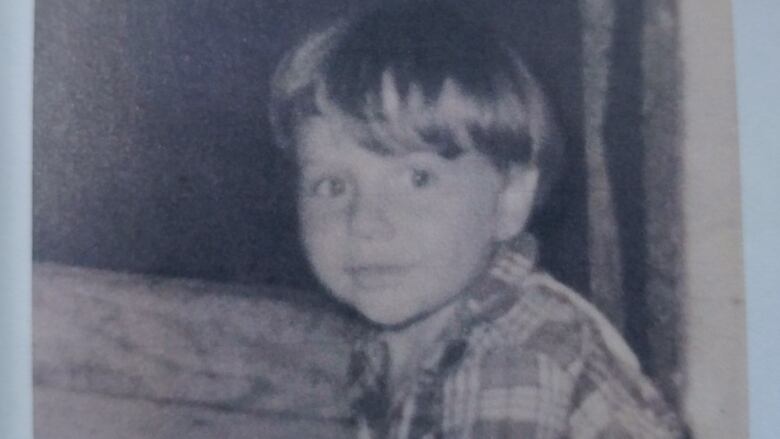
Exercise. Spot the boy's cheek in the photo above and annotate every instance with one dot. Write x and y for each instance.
(323, 238)
(316, 217)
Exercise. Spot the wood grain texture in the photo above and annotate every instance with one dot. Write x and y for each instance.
(123, 344)
(69, 415)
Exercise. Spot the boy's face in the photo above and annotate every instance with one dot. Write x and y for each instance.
(396, 237)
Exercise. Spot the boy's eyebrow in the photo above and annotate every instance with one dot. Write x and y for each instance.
(370, 145)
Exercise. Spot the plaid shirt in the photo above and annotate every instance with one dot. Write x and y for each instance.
(525, 357)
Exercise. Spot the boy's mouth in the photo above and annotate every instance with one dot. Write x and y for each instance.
(376, 275)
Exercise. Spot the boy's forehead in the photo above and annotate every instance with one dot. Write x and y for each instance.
(320, 134)
(320, 138)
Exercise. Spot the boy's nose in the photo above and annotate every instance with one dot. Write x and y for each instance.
(368, 217)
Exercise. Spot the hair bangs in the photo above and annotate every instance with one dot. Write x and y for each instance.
(408, 119)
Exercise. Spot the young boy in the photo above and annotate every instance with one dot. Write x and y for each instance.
(423, 146)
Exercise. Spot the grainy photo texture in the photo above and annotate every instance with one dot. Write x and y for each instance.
(386, 219)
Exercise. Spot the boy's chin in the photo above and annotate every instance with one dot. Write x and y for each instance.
(393, 318)
(388, 319)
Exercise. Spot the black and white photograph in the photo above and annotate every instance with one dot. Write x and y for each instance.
(386, 219)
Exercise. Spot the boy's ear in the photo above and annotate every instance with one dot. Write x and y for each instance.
(516, 201)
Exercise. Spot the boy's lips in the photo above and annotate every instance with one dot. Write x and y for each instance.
(374, 275)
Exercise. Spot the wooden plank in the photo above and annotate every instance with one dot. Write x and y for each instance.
(68, 415)
(221, 348)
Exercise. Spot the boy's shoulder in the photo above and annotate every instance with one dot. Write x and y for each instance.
(553, 345)
(551, 320)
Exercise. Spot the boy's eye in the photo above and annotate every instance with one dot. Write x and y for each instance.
(421, 178)
(329, 187)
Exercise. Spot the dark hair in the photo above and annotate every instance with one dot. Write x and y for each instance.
(421, 77)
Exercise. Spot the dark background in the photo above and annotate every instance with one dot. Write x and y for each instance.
(152, 150)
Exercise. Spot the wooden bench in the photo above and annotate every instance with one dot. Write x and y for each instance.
(131, 356)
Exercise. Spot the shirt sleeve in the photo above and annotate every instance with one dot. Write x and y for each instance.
(614, 400)
(564, 382)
